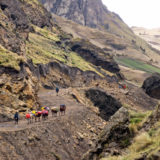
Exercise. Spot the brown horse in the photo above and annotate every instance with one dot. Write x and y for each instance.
(55, 110)
(38, 115)
(44, 114)
(62, 109)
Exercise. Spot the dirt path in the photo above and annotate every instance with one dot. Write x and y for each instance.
(47, 98)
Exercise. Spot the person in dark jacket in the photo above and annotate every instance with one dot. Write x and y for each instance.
(16, 117)
(57, 90)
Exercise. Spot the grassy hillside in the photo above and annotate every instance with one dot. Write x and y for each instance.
(138, 65)
(125, 44)
(42, 48)
(39, 43)
(9, 59)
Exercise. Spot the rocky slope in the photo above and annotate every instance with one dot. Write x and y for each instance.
(91, 13)
(113, 137)
(35, 53)
(61, 137)
(18, 84)
(30, 40)
(109, 31)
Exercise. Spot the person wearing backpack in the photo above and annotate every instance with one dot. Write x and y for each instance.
(16, 117)
(57, 90)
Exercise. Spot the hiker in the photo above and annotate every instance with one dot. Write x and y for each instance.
(16, 117)
(57, 90)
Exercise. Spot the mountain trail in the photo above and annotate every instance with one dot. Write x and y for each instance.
(48, 98)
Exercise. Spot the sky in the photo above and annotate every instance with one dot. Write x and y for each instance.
(140, 13)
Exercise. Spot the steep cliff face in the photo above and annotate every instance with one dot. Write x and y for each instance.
(91, 13)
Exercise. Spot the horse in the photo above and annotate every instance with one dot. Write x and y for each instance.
(47, 109)
(38, 115)
(29, 117)
(62, 109)
(44, 114)
(54, 110)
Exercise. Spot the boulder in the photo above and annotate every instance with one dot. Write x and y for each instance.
(152, 85)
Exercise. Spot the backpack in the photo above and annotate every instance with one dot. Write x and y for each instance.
(16, 116)
(57, 89)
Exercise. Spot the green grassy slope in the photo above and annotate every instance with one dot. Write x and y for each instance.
(136, 64)
(42, 48)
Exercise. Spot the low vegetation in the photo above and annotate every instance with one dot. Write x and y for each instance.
(137, 120)
(9, 59)
(145, 141)
(142, 144)
(136, 64)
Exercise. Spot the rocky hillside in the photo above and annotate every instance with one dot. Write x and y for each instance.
(36, 55)
(31, 45)
(91, 13)
(108, 29)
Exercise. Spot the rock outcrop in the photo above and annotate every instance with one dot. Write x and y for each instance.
(107, 104)
(113, 137)
(17, 92)
(95, 55)
(152, 86)
(56, 73)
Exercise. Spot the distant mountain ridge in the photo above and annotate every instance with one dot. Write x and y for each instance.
(91, 13)
(152, 36)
